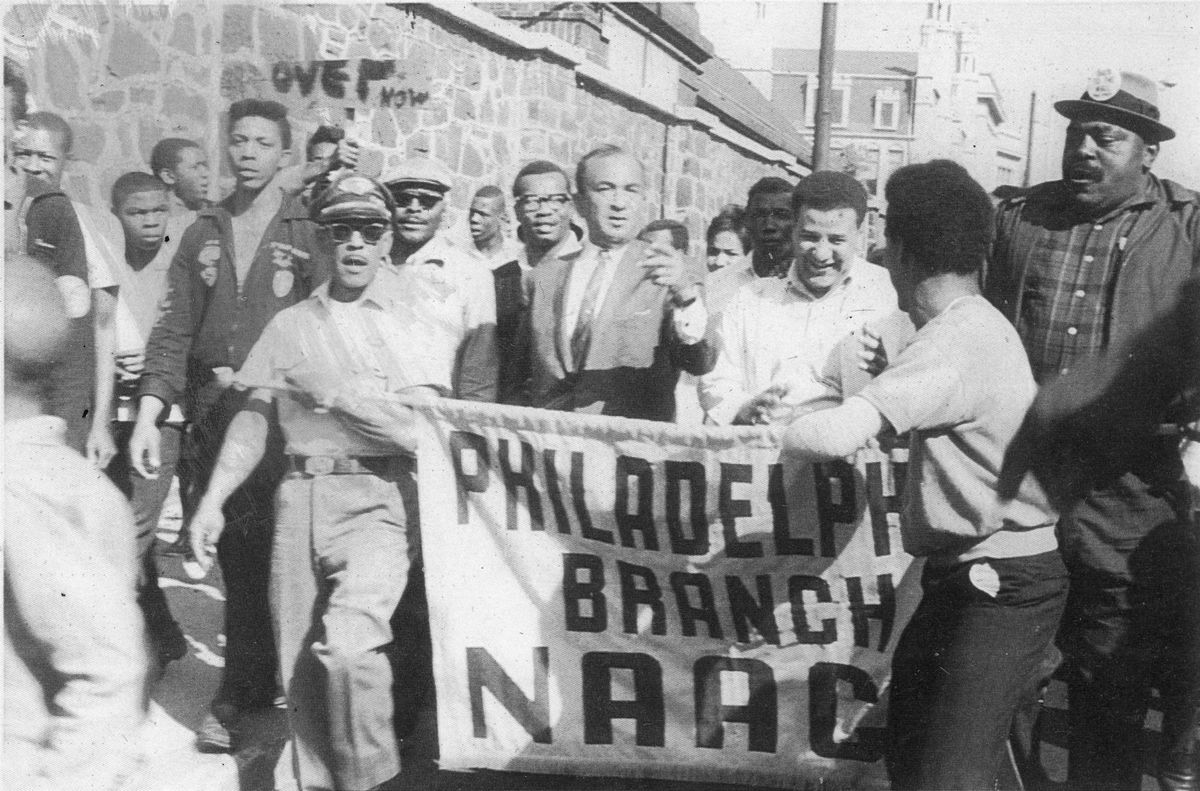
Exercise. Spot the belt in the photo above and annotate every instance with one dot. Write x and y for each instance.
(312, 466)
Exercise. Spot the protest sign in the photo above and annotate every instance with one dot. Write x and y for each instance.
(624, 598)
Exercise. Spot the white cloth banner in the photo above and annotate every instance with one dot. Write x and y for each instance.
(632, 599)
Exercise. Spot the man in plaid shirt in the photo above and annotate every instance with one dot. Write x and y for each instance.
(1081, 266)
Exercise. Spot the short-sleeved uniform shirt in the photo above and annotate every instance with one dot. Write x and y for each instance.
(454, 298)
(371, 346)
(962, 387)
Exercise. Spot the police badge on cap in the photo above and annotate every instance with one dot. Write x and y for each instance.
(352, 197)
(1119, 97)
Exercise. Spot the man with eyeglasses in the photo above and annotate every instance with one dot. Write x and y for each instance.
(241, 262)
(545, 213)
(345, 542)
(450, 293)
(544, 210)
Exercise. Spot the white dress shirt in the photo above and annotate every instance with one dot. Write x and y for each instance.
(774, 330)
(688, 322)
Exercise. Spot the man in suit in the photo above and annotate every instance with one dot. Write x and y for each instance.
(610, 326)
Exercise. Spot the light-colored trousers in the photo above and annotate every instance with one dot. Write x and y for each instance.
(344, 548)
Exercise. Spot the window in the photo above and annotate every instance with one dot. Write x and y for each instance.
(868, 171)
(887, 109)
(839, 102)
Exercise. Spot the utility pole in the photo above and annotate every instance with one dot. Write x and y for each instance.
(1029, 140)
(823, 117)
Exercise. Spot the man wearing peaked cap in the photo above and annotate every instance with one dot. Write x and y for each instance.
(1082, 266)
(353, 197)
(345, 541)
(446, 287)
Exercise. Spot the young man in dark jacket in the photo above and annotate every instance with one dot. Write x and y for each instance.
(239, 264)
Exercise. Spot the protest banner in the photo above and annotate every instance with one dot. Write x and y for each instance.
(623, 598)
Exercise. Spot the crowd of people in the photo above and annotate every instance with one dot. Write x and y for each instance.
(1038, 354)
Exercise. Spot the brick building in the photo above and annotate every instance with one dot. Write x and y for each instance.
(892, 108)
(485, 88)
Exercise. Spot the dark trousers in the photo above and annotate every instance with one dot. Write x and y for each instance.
(244, 551)
(965, 664)
(147, 498)
(1130, 625)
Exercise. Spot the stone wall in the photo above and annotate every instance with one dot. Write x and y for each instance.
(127, 75)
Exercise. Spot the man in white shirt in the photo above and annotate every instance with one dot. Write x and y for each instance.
(784, 344)
(452, 293)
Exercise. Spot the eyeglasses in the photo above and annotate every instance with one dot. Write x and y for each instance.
(371, 232)
(427, 200)
(527, 202)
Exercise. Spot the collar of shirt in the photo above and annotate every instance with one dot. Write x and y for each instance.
(1148, 194)
(378, 293)
(797, 286)
(505, 254)
(570, 245)
(589, 248)
(434, 252)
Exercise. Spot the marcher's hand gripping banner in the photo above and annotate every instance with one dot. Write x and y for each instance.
(626, 598)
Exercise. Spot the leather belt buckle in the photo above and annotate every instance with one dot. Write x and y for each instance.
(318, 465)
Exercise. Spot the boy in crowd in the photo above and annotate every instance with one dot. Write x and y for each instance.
(994, 585)
(488, 220)
(239, 264)
(182, 165)
(141, 204)
(672, 233)
(668, 232)
(769, 219)
(57, 232)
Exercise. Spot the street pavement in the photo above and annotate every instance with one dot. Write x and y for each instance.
(182, 694)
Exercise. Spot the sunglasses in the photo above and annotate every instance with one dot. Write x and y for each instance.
(427, 200)
(371, 232)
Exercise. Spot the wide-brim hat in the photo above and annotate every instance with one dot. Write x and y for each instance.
(352, 197)
(1123, 98)
(430, 173)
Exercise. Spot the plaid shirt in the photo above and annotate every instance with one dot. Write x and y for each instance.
(1065, 308)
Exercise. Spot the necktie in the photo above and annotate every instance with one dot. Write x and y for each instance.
(592, 299)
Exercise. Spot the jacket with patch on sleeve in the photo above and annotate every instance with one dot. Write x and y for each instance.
(207, 321)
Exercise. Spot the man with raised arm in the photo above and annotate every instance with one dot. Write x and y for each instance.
(993, 585)
(610, 327)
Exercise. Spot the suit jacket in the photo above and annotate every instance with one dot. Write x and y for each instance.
(634, 357)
